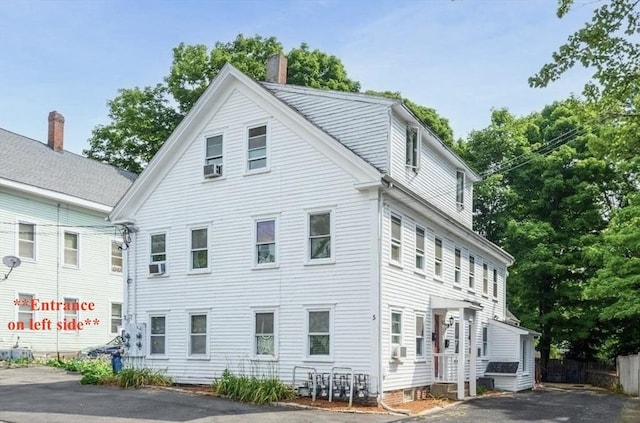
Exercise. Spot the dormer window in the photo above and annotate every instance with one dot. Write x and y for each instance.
(412, 148)
(460, 189)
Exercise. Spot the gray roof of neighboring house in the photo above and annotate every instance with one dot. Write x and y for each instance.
(31, 162)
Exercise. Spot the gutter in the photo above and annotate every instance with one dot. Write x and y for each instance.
(462, 230)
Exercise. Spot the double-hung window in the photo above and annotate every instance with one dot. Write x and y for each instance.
(25, 311)
(116, 257)
(116, 317)
(257, 148)
(265, 249)
(213, 154)
(485, 340)
(157, 335)
(420, 336)
(412, 147)
(396, 328)
(71, 249)
(27, 241)
(199, 249)
(264, 325)
(197, 334)
(320, 236)
(396, 238)
(460, 189)
(419, 248)
(158, 248)
(319, 333)
(495, 283)
(472, 271)
(71, 309)
(438, 258)
(485, 278)
(457, 258)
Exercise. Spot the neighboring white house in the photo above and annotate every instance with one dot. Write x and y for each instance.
(283, 227)
(53, 210)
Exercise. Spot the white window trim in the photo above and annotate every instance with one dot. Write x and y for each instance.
(319, 358)
(190, 229)
(332, 232)
(524, 356)
(485, 278)
(254, 241)
(111, 257)
(495, 276)
(252, 125)
(211, 134)
(63, 248)
(457, 268)
(34, 313)
(166, 336)
(35, 241)
(471, 281)
(62, 314)
(159, 231)
(460, 204)
(111, 315)
(457, 328)
(484, 346)
(415, 168)
(276, 340)
(393, 311)
(436, 259)
(199, 312)
(421, 270)
(422, 357)
(393, 242)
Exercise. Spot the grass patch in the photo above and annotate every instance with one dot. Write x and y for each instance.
(136, 378)
(258, 390)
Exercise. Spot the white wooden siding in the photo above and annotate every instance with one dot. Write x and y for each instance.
(361, 126)
(505, 344)
(436, 177)
(50, 279)
(404, 288)
(300, 178)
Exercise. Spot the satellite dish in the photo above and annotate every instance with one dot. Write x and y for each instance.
(10, 262)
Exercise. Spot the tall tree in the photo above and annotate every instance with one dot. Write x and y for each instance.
(609, 45)
(427, 115)
(143, 118)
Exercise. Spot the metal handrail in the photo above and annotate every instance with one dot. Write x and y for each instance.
(350, 385)
(293, 382)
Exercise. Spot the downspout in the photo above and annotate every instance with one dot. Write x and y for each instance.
(58, 241)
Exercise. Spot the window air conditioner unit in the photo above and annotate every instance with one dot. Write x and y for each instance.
(398, 352)
(212, 171)
(157, 268)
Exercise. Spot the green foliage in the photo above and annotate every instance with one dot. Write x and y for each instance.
(136, 378)
(428, 116)
(481, 390)
(93, 371)
(263, 389)
(608, 45)
(143, 118)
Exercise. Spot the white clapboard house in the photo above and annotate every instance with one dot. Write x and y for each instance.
(53, 210)
(314, 232)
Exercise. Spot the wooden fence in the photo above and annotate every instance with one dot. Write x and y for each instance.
(629, 374)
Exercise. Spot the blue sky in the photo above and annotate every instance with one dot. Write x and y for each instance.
(462, 58)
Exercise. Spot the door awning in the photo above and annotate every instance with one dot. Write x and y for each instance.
(450, 303)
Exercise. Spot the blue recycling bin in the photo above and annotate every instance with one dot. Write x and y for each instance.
(116, 362)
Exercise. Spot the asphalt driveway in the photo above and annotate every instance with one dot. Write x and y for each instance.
(41, 394)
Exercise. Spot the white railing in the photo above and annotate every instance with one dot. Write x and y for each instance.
(445, 368)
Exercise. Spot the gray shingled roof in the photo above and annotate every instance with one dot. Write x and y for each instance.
(33, 163)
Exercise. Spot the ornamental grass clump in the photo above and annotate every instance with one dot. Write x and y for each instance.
(254, 389)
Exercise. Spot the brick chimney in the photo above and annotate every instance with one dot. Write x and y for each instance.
(277, 69)
(56, 131)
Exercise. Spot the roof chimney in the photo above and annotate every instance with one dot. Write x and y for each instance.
(56, 131)
(277, 69)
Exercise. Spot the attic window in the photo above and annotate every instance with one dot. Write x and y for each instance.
(412, 146)
(460, 189)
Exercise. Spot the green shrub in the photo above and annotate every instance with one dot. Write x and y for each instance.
(92, 370)
(135, 378)
(258, 390)
(481, 390)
